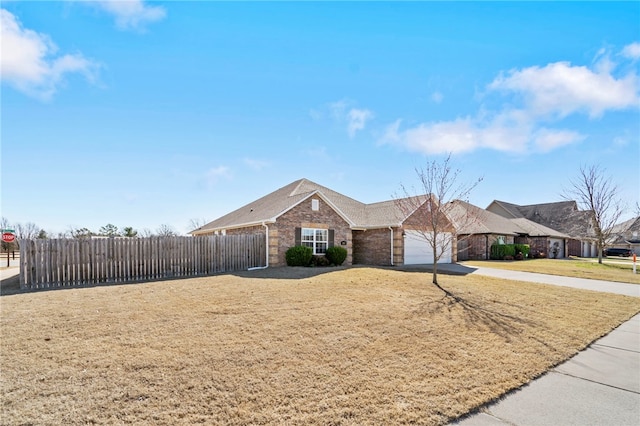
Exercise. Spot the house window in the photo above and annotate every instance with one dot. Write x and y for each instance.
(317, 239)
(315, 205)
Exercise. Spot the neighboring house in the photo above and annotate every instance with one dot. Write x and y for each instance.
(563, 216)
(305, 213)
(478, 229)
(626, 235)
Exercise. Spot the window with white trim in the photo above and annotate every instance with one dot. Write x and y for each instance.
(317, 239)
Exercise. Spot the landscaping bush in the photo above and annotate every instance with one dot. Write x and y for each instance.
(502, 251)
(336, 255)
(509, 251)
(319, 260)
(522, 249)
(299, 256)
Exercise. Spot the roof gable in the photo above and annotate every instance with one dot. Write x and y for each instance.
(504, 209)
(268, 208)
(562, 216)
(262, 210)
(626, 232)
(470, 219)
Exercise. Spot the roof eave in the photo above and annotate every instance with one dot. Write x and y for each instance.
(325, 199)
(235, 226)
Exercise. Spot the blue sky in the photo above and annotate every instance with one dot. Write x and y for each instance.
(148, 113)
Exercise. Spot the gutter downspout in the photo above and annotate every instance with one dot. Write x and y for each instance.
(267, 250)
(391, 229)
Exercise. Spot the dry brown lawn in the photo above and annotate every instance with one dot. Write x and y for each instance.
(347, 347)
(618, 270)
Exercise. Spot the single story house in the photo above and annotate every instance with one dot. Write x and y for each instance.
(478, 229)
(563, 217)
(626, 235)
(305, 213)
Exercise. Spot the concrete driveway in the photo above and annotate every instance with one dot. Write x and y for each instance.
(598, 386)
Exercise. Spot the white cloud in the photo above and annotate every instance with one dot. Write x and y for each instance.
(546, 140)
(532, 100)
(28, 64)
(562, 89)
(357, 119)
(437, 97)
(338, 109)
(343, 111)
(452, 136)
(132, 14)
(632, 51)
(461, 135)
(213, 175)
(504, 132)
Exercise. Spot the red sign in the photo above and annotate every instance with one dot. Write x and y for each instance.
(8, 237)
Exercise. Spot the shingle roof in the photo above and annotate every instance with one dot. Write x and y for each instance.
(562, 216)
(536, 230)
(624, 232)
(470, 219)
(271, 206)
(467, 218)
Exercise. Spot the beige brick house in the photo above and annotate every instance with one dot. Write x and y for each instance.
(563, 216)
(305, 213)
(477, 229)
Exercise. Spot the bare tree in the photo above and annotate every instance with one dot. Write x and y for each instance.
(196, 223)
(27, 231)
(427, 211)
(166, 231)
(146, 233)
(80, 232)
(595, 192)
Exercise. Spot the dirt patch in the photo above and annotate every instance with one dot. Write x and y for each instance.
(348, 346)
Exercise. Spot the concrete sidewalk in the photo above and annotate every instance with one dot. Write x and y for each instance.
(598, 386)
(583, 283)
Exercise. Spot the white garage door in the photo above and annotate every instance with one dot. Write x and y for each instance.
(417, 250)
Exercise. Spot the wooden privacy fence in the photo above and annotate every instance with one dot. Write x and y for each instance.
(75, 262)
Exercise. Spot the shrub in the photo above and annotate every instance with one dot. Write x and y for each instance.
(509, 251)
(502, 251)
(299, 256)
(336, 255)
(319, 260)
(522, 249)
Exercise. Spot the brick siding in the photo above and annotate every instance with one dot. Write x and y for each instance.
(372, 247)
(282, 233)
